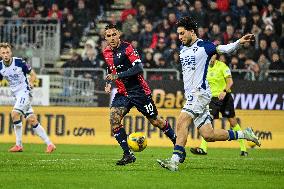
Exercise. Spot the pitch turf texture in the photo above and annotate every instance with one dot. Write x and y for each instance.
(77, 166)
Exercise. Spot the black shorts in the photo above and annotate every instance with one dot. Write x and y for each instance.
(225, 106)
(143, 103)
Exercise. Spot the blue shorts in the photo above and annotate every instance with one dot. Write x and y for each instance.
(143, 104)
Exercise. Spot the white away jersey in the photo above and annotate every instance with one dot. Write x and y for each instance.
(195, 60)
(15, 74)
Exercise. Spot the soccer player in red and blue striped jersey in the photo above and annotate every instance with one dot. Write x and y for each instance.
(126, 70)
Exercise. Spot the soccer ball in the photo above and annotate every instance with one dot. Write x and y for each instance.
(137, 141)
(251, 144)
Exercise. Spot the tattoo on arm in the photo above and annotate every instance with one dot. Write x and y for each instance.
(116, 115)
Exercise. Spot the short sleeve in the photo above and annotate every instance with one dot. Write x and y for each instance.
(209, 47)
(26, 67)
(226, 71)
(132, 55)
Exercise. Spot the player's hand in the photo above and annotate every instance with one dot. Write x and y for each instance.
(108, 88)
(222, 95)
(247, 38)
(111, 77)
(31, 85)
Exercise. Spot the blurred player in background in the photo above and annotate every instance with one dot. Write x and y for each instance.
(220, 81)
(195, 55)
(15, 71)
(126, 70)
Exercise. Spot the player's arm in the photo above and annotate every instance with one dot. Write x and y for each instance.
(32, 78)
(229, 81)
(231, 47)
(137, 66)
(108, 82)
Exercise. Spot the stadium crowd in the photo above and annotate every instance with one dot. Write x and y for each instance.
(150, 27)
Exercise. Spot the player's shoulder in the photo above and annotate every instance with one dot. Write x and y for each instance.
(18, 61)
(126, 45)
(1, 63)
(107, 50)
(205, 44)
(183, 48)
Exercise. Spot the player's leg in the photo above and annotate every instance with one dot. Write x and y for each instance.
(214, 109)
(183, 122)
(236, 127)
(189, 112)
(119, 108)
(147, 107)
(228, 111)
(165, 126)
(22, 100)
(39, 130)
(212, 135)
(16, 117)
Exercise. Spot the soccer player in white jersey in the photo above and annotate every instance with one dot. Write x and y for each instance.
(15, 71)
(195, 55)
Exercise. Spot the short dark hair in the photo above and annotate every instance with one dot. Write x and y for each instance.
(188, 23)
(111, 26)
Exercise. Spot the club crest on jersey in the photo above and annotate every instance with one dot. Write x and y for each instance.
(195, 49)
(118, 55)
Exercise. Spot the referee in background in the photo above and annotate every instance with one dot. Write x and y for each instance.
(220, 80)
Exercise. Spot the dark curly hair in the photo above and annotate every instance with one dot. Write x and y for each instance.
(111, 26)
(188, 23)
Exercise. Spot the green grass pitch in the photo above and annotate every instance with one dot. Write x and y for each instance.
(81, 166)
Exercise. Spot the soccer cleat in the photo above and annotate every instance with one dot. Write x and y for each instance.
(181, 160)
(126, 158)
(168, 164)
(16, 149)
(250, 136)
(50, 148)
(244, 153)
(198, 151)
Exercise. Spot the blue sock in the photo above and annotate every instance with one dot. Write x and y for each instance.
(121, 137)
(179, 150)
(233, 135)
(169, 132)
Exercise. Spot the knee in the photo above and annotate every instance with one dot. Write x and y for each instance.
(115, 117)
(209, 137)
(15, 116)
(32, 120)
(156, 123)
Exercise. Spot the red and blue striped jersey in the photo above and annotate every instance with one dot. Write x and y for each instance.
(120, 60)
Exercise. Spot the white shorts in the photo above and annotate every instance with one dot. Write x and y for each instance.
(23, 103)
(197, 106)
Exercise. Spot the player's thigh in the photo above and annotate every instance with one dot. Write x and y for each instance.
(203, 118)
(23, 103)
(119, 108)
(196, 104)
(146, 106)
(228, 109)
(206, 131)
(184, 120)
(157, 121)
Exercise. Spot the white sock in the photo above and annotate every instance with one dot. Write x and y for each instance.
(18, 133)
(175, 158)
(241, 135)
(39, 130)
